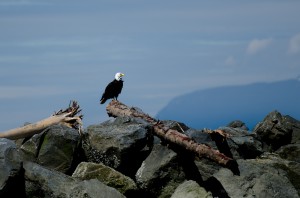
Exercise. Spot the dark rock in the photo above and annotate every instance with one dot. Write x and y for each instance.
(11, 183)
(119, 143)
(238, 124)
(258, 178)
(93, 189)
(207, 168)
(160, 174)
(30, 148)
(175, 125)
(42, 182)
(201, 137)
(239, 144)
(107, 175)
(190, 189)
(242, 144)
(54, 148)
(274, 131)
(295, 127)
(290, 152)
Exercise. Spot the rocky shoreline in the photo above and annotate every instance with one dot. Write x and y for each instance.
(122, 158)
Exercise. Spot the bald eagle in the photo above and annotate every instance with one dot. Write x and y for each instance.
(113, 89)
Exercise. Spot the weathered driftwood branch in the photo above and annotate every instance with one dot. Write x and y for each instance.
(217, 131)
(115, 108)
(66, 117)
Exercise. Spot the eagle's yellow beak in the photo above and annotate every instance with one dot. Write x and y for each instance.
(122, 74)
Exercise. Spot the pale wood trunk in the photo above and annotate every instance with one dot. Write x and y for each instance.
(66, 117)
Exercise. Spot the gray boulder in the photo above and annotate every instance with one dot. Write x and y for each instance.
(119, 143)
(29, 148)
(290, 152)
(238, 124)
(10, 170)
(291, 155)
(274, 131)
(241, 143)
(206, 168)
(160, 174)
(175, 125)
(107, 175)
(54, 148)
(295, 127)
(42, 182)
(265, 178)
(201, 137)
(191, 189)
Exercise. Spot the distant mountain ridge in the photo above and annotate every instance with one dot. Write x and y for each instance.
(215, 107)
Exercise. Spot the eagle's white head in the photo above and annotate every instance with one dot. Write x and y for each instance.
(119, 76)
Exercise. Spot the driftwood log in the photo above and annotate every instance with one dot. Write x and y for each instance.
(116, 108)
(67, 117)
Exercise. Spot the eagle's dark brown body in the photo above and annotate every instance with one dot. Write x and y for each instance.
(112, 90)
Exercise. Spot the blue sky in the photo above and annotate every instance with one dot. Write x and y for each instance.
(54, 51)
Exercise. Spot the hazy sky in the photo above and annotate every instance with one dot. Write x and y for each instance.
(54, 51)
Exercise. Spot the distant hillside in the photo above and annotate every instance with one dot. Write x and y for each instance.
(212, 108)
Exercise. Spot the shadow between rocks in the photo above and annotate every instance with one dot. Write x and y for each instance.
(224, 148)
(191, 171)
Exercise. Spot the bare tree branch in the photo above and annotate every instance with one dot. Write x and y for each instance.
(67, 117)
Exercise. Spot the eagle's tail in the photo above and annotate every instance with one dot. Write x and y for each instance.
(103, 100)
